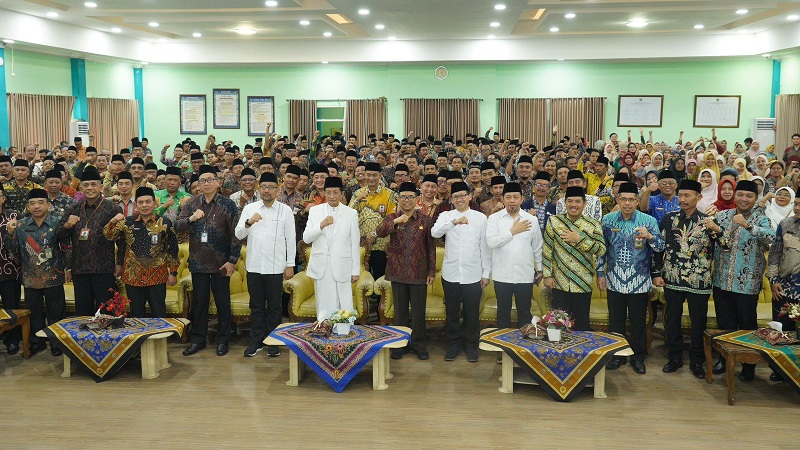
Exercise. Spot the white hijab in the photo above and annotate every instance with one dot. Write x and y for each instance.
(763, 185)
(777, 213)
(709, 193)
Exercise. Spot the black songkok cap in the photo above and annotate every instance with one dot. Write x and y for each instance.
(748, 186)
(575, 191)
(629, 187)
(498, 179)
(512, 187)
(145, 191)
(268, 177)
(333, 182)
(459, 186)
(691, 185)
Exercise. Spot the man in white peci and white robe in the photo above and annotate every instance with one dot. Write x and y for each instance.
(332, 231)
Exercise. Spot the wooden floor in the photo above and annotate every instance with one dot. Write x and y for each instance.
(206, 401)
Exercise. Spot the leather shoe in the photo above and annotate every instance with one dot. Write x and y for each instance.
(698, 371)
(55, 351)
(672, 365)
(638, 367)
(193, 348)
(36, 348)
(423, 355)
(12, 349)
(747, 375)
(222, 349)
(719, 367)
(614, 364)
(775, 376)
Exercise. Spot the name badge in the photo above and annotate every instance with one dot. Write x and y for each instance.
(48, 253)
(204, 237)
(382, 209)
(84, 235)
(154, 239)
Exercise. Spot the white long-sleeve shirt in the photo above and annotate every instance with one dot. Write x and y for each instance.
(271, 244)
(466, 256)
(515, 258)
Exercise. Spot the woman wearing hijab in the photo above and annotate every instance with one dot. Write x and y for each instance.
(708, 181)
(761, 166)
(741, 169)
(657, 163)
(725, 192)
(709, 162)
(778, 205)
(770, 152)
(691, 169)
(721, 165)
(678, 167)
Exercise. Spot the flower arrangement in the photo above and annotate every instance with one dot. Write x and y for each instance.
(792, 311)
(117, 306)
(342, 316)
(558, 318)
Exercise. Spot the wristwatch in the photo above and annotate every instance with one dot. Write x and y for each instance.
(247, 223)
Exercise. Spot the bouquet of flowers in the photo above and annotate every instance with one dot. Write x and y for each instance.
(117, 305)
(792, 311)
(558, 318)
(342, 316)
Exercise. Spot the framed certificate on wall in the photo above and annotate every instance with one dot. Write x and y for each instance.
(260, 112)
(717, 111)
(640, 110)
(226, 109)
(193, 113)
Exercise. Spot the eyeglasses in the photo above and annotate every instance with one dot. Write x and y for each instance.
(459, 196)
(269, 188)
(407, 197)
(542, 185)
(206, 180)
(248, 180)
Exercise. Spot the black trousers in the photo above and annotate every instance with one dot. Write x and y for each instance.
(92, 290)
(265, 304)
(377, 263)
(156, 296)
(416, 295)
(50, 300)
(202, 285)
(634, 308)
(577, 304)
(698, 313)
(468, 295)
(522, 293)
(736, 312)
(10, 292)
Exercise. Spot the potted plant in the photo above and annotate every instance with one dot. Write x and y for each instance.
(557, 322)
(342, 320)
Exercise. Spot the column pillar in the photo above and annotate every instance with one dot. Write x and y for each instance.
(5, 131)
(138, 92)
(81, 109)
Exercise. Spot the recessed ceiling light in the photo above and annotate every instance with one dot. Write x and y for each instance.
(304, 22)
(637, 24)
(153, 24)
(245, 31)
(116, 30)
(162, 40)
(8, 41)
(494, 24)
(379, 26)
(742, 31)
(52, 14)
(197, 35)
(491, 36)
(741, 11)
(793, 17)
(569, 15)
(766, 55)
(554, 29)
(363, 11)
(500, 7)
(271, 3)
(392, 38)
(90, 5)
(699, 26)
(560, 59)
(324, 62)
(327, 34)
(144, 63)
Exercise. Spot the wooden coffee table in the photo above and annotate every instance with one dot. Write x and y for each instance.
(24, 321)
(733, 354)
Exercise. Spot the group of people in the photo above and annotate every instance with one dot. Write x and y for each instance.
(693, 218)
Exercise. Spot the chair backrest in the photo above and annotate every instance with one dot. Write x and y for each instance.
(239, 277)
(304, 250)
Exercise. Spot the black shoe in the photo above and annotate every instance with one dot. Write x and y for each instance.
(273, 351)
(775, 376)
(698, 370)
(397, 353)
(253, 349)
(614, 364)
(748, 374)
(55, 351)
(423, 355)
(12, 349)
(638, 367)
(452, 352)
(672, 365)
(36, 348)
(719, 367)
(472, 354)
(193, 348)
(222, 349)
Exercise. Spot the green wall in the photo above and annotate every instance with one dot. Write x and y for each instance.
(109, 80)
(37, 73)
(790, 74)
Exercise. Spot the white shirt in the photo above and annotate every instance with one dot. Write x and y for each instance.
(271, 244)
(466, 255)
(592, 209)
(515, 258)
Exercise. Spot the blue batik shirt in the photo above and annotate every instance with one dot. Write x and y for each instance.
(628, 270)
(660, 206)
(739, 259)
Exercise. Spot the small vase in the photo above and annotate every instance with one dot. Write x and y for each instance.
(341, 329)
(553, 334)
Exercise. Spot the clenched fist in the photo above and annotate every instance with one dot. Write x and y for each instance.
(255, 219)
(327, 221)
(118, 218)
(71, 221)
(199, 214)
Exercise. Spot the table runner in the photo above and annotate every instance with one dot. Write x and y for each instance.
(561, 368)
(784, 359)
(339, 358)
(104, 352)
(7, 315)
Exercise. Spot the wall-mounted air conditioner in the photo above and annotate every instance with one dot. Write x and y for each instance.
(81, 130)
(764, 132)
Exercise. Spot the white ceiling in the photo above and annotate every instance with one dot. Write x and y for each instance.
(424, 29)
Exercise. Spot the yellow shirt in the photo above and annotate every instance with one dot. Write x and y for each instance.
(372, 210)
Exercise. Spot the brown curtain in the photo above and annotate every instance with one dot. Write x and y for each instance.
(39, 119)
(787, 121)
(302, 117)
(584, 116)
(113, 121)
(524, 119)
(363, 117)
(438, 117)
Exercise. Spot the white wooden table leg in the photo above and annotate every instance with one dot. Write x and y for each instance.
(294, 369)
(600, 384)
(507, 379)
(150, 363)
(161, 354)
(387, 374)
(379, 371)
(67, 368)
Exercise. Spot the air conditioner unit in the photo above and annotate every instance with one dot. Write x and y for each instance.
(81, 130)
(764, 132)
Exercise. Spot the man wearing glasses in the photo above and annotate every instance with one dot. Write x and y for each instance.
(539, 206)
(664, 203)
(248, 194)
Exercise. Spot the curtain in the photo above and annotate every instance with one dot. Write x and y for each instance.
(303, 117)
(787, 121)
(39, 119)
(439, 117)
(584, 116)
(363, 117)
(524, 119)
(113, 122)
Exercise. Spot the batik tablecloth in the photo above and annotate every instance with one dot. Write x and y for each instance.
(339, 358)
(784, 359)
(104, 352)
(561, 368)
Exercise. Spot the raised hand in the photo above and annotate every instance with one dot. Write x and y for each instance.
(325, 222)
